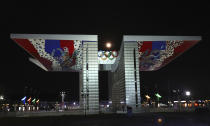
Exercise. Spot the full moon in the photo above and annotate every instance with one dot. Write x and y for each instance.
(108, 45)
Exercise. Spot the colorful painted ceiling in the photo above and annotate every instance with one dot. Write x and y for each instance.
(155, 54)
(64, 52)
(55, 55)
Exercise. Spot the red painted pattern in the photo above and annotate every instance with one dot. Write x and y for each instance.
(146, 46)
(69, 44)
(25, 43)
(177, 51)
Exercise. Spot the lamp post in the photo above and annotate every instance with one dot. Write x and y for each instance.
(158, 97)
(1, 97)
(62, 98)
(84, 96)
(187, 93)
(148, 98)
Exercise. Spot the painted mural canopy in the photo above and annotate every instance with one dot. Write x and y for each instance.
(155, 54)
(65, 52)
(54, 52)
(55, 55)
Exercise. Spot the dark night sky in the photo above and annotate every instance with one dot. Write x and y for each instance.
(189, 71)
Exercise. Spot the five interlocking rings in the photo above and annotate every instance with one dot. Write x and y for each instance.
(107, 54)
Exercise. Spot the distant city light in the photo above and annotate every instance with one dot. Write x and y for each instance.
(62, 95)
(108, 45)
(29, 99)
(37, 101)
(34, 100)
(74, 103)
(23, 99)
(1, 97)
(147, 96)
(121, 102)
(159, 120)
(187, 93)
(158, 95)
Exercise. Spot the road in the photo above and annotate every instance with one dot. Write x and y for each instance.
(143, 119)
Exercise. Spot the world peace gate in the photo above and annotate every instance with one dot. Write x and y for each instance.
(79, 53)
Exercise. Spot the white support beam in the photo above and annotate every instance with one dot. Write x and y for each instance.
(56, 37)
(35, 61)
(158, 38)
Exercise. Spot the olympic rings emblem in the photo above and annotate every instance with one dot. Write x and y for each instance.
(107, 54)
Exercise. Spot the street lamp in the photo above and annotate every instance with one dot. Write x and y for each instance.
(147, 96)
(187, 93)
(1, 97)
(62, 96)
(85, 96)
(158, 97)
(23, 100)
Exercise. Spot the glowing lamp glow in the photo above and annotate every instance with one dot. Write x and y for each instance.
(37, 101)
(158, 95)
(34, 100)
(29, 99)
(1, 97)
(23, 100)
(196, 104)
(147, 96)
(187, 93)
(159, 120)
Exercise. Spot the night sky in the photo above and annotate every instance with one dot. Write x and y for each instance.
(190, 71)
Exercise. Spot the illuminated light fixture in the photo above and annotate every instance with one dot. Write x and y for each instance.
(1, 97)
(74, 103)
(23, 100)
(183, 101)
(147, 96)
(37, 101)
(158, 95)
(160, 120)
(108, 45)
(121, 102)
(29, 99)
(34, 100)
(196, 104)
(187, 93)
